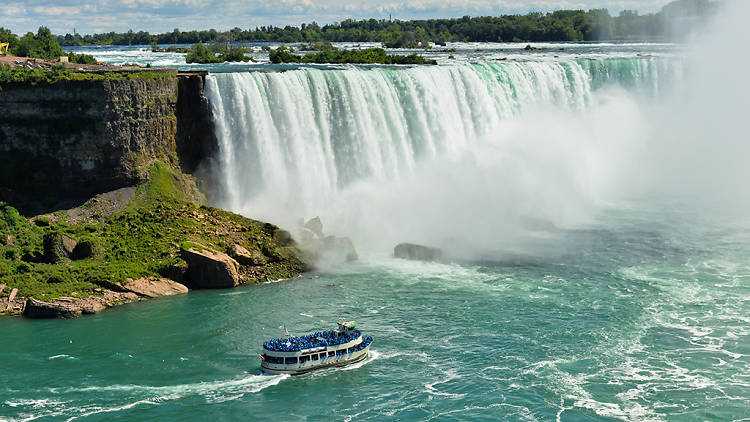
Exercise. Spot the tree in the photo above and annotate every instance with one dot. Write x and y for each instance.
(43, 45)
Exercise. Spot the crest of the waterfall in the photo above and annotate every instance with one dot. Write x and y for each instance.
(425, 154)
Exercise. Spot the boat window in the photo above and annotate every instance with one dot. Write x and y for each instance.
(303, 359)
(330, 354)
(314, 357)
(273, 359)
(350, 350)
(290, 360)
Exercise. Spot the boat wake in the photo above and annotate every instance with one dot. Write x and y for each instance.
(116, 398)
(373, 355)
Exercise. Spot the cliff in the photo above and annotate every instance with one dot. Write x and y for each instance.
(64, 142)
(102, 174)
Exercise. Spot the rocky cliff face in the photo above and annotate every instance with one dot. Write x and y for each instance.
(70, 140)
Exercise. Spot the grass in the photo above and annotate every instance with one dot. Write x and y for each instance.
(59, 73)
(142, 240)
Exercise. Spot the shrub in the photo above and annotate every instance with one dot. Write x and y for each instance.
(282, 55)
(199, 53)
(9, 214)
(334, 55)
(53, 249)
(81, 58)
(12, 254)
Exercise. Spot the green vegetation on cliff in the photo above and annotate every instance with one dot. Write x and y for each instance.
(334, 55)
(58, 73)
(97, 246)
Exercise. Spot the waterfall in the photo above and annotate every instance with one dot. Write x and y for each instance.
(291, 143)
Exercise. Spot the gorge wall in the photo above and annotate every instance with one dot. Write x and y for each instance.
(62, 143)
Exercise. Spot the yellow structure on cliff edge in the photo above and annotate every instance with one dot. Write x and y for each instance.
(4, 48)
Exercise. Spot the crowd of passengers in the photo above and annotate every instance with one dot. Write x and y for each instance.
(302, 359)
(321, 338)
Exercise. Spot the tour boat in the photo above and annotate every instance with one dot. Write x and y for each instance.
(325, 349)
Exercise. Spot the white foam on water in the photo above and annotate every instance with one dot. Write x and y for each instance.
(139, 395)
(61, 356)
(450, 375)
(40, 408)
(34, 403)
(522, 412)
(98, 410)
(251, 384)
(371, 356)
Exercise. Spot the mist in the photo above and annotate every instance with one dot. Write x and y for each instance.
(546, 162)
(699, 143)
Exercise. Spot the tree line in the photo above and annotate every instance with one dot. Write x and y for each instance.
(562, 25)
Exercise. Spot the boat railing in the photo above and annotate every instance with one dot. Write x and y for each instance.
(322, 339)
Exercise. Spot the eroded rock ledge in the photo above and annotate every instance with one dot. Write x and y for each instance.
(148, 242)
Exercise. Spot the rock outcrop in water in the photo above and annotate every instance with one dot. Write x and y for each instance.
(325, 250)
(417, 252)
(71, 307)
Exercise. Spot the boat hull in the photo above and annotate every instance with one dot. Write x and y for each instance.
(358, 356)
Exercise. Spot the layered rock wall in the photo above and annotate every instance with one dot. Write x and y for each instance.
(73, 139)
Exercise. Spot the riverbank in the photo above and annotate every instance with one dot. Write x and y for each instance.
(151, 240)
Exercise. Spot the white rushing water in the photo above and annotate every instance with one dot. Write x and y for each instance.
(343, 143)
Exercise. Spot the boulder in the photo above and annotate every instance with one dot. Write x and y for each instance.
(177, 272)
(57, 246)
(417, 252)
(154, 287)
(342, 246)
(83, 249)
(246, 257)
(56, 309)
(283, 237)
(10, 305)
(69, 307)
(315, 226)
(208, 269)
(330, 250)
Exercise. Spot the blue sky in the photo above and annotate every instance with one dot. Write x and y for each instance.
(164, 15)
